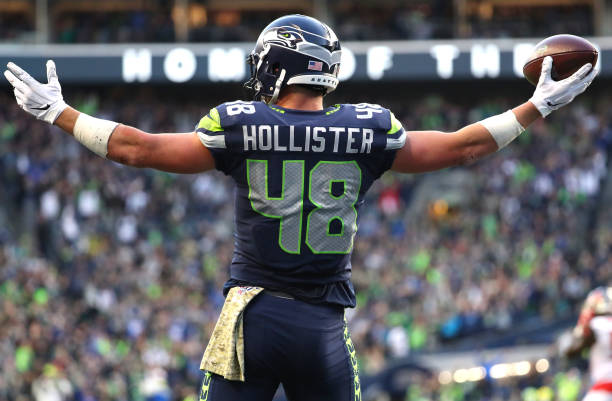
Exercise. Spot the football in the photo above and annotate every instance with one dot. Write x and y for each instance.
(569, 53)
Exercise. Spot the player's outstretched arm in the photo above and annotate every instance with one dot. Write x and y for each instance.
(572, 343)
(434, 150)
(177, 153)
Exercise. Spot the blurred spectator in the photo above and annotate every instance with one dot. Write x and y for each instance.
(159, 21)
(111, 276)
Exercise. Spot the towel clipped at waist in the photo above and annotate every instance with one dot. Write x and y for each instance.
(224, 354)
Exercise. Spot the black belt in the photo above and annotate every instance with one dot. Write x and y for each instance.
(279, 294)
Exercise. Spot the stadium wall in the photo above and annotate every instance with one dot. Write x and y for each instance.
(223, 62)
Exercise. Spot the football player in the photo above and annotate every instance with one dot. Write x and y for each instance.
(594, 331)
(301, 172)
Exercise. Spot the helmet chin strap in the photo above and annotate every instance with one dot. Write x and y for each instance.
(277, 87)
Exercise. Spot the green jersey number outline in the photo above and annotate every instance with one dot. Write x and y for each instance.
(288, 208)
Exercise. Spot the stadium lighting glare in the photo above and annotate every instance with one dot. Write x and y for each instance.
(445, 377)
(542, 365)
(463, 375)
(460, 375)
(476, 374)
(521, 368)
(499, 371)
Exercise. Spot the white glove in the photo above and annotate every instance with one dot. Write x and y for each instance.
(550, 95)
(43, 101)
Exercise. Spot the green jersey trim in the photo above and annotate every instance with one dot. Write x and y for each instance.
(396, 125)
(211, 121)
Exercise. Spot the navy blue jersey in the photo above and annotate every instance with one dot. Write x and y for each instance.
(300, 179)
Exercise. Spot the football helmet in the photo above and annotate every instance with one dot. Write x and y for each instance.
(293, 50)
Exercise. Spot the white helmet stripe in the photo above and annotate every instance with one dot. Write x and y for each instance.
(322, 80)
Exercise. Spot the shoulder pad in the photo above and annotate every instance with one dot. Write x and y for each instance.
(367, 112)
(382, 119)
(210, 130)
(213, 127)
(211, 121)
(233, 113)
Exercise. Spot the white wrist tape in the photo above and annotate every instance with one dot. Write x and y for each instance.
(504, 128)
(94, 133)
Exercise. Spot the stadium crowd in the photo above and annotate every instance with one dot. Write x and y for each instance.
(111, 276)
(364, 20)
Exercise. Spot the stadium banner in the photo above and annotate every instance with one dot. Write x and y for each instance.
(225, 62)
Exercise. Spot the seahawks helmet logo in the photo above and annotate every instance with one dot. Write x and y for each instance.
(283, 36)
(293, 38)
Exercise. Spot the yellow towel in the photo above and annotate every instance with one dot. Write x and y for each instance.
(224, 354)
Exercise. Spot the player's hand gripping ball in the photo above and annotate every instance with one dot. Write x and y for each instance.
(568, 52)
(558, 84)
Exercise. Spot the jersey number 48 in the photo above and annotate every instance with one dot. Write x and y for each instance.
(288, 208)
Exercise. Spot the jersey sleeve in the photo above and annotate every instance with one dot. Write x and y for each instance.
(389, 134)
(396, 135)
(395, 138)
(212, 135)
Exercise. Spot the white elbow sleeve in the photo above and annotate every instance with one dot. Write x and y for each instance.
(94, 133)
(504, 128)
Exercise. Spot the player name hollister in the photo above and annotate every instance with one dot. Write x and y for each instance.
(307, 139)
